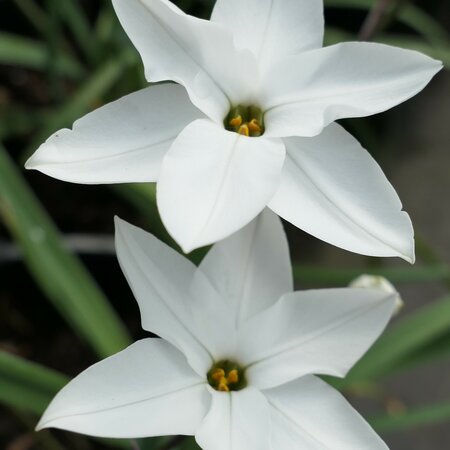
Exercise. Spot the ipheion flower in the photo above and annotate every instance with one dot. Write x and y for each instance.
(238, 351)
(249, 125)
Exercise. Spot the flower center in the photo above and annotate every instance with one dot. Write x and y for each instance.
(226, 376)
(245, 120)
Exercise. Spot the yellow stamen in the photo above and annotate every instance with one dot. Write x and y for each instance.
(233, 376)
(223, 387)
(254, 126)
(226, 376)
(236, 121)
(245, 120)
(218, 375)
(244, 130)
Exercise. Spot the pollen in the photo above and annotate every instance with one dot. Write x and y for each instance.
(236, 121)
(233, 376)
(244, 130)
(254, 126)
(226, 376)
(218, 374)
(246, 121)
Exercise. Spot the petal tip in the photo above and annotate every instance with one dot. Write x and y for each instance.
(410, 254)
(118, 222)
(121, 225)
(30, 163)
(42, 424)
(411, 259)
(34, 162)
(188, 248)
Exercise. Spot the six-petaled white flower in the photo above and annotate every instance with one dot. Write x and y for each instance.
(261, 131)
(238, 351)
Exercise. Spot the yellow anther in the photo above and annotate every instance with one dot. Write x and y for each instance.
(223, 387)
(218, 375)
(233, 376)
(236, 121)
(244, 130)
(254, 126)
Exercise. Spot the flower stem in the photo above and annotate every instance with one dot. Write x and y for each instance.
(377, 18)
(134, 444)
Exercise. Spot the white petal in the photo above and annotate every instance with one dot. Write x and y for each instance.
(333, 189)
(177, 301)
(236, 421)
(303, 94)
(272, 29)
(161, 280)
(213, 182)
(146, 390)
(313, 332)
(309, 414)
(196, 53)
(251, 269)
(121, 142)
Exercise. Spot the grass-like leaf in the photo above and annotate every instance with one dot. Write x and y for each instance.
(397, 275)
(408, 14)
(414, 417)
(31, 54)
(400, 344)
(58, 273)
(26, 385)
(74, 17)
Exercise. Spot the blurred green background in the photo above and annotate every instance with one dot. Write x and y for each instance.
(63, 301)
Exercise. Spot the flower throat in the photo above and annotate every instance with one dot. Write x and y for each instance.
(226, 376)
(245, 120)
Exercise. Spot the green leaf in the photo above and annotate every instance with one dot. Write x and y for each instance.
(438, 350)
(424, 24)
(105, 25)
(59, 274)
(34, 13)
(154, 443)
(412, 418)
(72, 14)
(27, 386)
(403, 341)
(16, 120)
(35, 375)
(342, 277)
(30, 54)
(408, 14)
(22, 397)
(188, 443)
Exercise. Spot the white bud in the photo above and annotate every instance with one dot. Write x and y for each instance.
(378, 282)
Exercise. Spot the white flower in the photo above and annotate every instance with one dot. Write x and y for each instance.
(378, 282)
(258, 69)
(238, 351)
